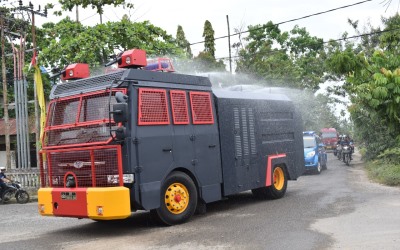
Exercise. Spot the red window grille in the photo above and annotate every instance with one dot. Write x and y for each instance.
(179, 107)
(201, 108)
(79, 119)
(63, 111)
(153, 109)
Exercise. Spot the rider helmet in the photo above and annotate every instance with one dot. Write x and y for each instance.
(2, 168)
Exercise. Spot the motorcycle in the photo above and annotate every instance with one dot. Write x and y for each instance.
(15, 189)
(339, 152)
(352, 146)
(346, 151)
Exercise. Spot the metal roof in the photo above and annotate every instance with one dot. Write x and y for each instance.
(13, 126)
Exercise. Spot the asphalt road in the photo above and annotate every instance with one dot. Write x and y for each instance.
(338, 209)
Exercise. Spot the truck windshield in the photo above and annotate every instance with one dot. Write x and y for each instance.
(79, 119)
(329, 135)
(309, 142)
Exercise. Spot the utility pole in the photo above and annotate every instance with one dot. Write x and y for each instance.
(229, 45)
(5, 97)
(37, 117)
(77, 14)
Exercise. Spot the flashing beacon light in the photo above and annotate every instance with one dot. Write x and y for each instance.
(134, 58)
(75, 71)
(160, 64)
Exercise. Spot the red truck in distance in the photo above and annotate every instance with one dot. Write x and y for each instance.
(329, 137)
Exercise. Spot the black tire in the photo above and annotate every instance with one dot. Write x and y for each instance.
(347, 159)
(7, 195)
(178, 200)
(325, 166)
(319, 168)
(22, 197)
(277, 189)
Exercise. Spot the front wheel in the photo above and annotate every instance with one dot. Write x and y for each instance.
(277, 189)
(325, 165)
(22, 196)
(178, 199)
(319, 168)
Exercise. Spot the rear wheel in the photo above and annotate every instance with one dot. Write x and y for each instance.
(277, 189)
(178, 199)
(7, 195)
(22, 197)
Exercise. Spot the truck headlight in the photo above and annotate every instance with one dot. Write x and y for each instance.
(310, 154)
(55, 180)
(114, 179)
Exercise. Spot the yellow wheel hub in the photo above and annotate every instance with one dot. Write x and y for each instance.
(176, 198)
(279, 178)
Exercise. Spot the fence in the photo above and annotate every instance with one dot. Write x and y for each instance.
(29, 178)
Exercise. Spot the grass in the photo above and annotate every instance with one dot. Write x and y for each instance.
(383, 172)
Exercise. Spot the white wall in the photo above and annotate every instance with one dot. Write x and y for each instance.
(3, 159)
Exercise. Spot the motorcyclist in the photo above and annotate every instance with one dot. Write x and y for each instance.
(3, 180)
(347, 141)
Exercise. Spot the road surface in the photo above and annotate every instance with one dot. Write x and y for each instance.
(338, 209)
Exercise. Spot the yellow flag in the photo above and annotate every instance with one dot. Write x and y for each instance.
(41, 100)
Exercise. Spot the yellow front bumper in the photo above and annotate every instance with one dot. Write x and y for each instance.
(109, 203)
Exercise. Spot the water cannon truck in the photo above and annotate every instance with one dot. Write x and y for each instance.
(168, 143)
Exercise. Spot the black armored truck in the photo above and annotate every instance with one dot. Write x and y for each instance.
(139, 138)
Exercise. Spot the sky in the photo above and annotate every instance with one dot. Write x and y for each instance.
(191, 15)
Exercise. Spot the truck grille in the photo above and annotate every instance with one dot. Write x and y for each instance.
(99, 166)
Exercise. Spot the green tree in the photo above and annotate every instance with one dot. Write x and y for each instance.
(69, 42)
(15, 26)
(292, 59)
(372, 81)
(182, 42)
(209, 41)
(205, 61)
(95, 4)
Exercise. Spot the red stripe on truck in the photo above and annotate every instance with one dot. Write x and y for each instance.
(268, 179)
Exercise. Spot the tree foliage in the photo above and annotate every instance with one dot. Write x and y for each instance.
(94, 4)
(69, 42)
(209, 41)
(205, 61)
(372, 81)
(292, 59)
(182, 42)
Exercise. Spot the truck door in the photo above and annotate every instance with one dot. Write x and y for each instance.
(154, 143)
(206, 145)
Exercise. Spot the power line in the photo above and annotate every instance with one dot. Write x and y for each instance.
(288, 21)
(329, 41)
